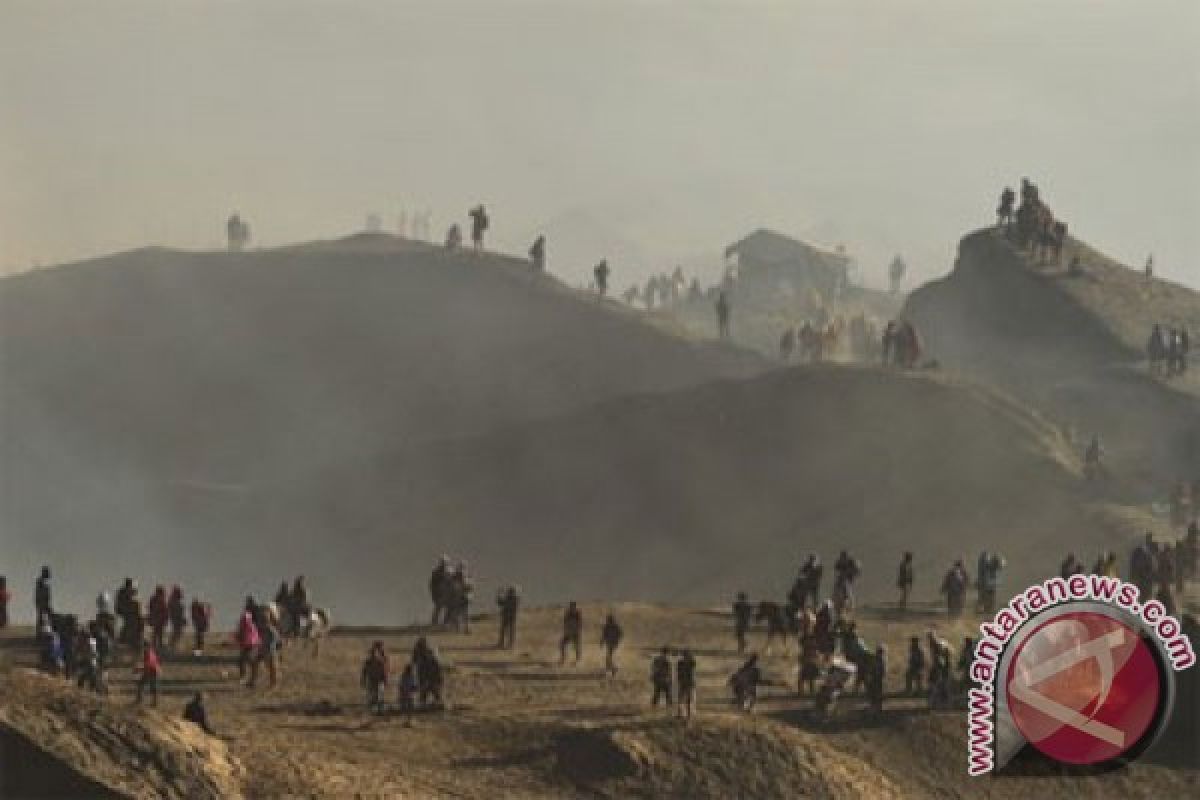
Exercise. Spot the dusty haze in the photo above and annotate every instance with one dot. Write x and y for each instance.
(646, 132)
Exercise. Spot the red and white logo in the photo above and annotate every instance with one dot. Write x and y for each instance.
(1083, 688)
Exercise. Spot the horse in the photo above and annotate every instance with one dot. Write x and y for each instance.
(314, 625)
(855, 650)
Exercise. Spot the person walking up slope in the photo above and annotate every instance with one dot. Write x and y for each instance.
(610, 636)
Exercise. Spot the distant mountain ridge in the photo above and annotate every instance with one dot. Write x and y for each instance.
(136, 385)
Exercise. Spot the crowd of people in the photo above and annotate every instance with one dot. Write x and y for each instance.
(665, 290)
(1167, 350)
(818, 339)
(811, 342)
(450, 588)
(1159, 569)
(1031, 225)
(957, 581)
(901, 344)
(833, 656)
(147, 634)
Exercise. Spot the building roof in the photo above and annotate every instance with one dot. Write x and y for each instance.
(764, 246)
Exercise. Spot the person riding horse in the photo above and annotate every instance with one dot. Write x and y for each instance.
(856, 651)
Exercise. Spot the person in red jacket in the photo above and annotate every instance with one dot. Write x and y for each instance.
(148, 673)
(249, 643)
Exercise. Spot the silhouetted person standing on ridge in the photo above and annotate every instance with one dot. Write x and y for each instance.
(1156, 349)
(176, 616)
(743, 613)
(374, 678)
(1006, 209)
(914, 674)
(610, 636)
(723, 316)
(479, 226)
(601, 272)
(685, 678)
(439, 590)
(201, 614)
(42, 604)
(129, 609)
(537, 254)
(896, 272)
(159, 615)
(810, 573)
(660, 678)
(572, 633)
(875, 680)
(238, 233)
(904, 579)
(508, 600)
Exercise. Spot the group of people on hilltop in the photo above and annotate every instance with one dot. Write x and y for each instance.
(1167, 350)
(957, 580)
(421, 682)
(1031, 225)
(154, 630)
(832, 653)
(85, 651)
(480, 221)
(259, 641)
(1159, 569)
(813, 341)
(237, 233)
(664, 290)
(163, 610)
(450, 589)
(901, 345)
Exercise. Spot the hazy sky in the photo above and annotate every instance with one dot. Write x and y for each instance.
(642, 131)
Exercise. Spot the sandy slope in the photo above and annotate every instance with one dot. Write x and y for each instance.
(519, 725)
(691, 496)
(1071, 347)
(137, 387)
